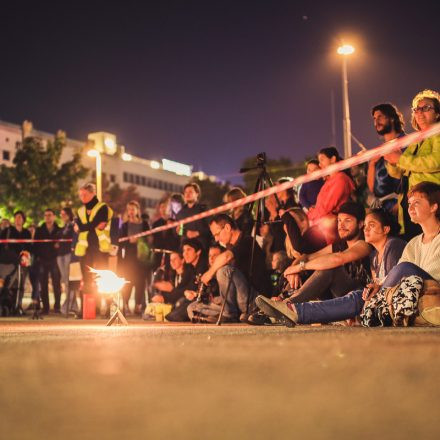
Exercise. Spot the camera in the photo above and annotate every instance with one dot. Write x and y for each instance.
(203, 294)
(261, 159)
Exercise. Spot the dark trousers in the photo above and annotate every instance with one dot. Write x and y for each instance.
(337, 281)
(95, 260)
(136, 273)
(50, 267)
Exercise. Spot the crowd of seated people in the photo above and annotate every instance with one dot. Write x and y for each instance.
(325, 241)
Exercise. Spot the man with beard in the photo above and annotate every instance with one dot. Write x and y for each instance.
(388, 122)
(339, 267)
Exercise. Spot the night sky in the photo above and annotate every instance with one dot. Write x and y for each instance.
(212, 82)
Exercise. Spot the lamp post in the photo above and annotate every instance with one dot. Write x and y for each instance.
(97, 155)
(345, 50)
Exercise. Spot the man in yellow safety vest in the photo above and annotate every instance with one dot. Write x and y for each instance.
(94, 244)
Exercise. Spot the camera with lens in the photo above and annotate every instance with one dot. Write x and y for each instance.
(203, 294)
(261, 159)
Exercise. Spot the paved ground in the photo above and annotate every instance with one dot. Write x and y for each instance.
(72, 379)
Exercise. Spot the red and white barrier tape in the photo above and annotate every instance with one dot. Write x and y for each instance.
(30, 240)
(365, 156)
(383, 149)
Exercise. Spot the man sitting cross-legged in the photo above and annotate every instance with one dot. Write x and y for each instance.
(379, 229)
(340, 267)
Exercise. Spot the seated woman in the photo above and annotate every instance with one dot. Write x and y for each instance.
(379, 230)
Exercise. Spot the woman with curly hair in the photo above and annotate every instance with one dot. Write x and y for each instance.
(420, 162)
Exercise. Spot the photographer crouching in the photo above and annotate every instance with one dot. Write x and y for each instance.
(238, 282)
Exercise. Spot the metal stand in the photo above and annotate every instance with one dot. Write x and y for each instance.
(117, 318)
(263, 181)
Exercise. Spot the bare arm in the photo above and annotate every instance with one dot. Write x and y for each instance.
(371, 174)
(359, 250)
(222, 260)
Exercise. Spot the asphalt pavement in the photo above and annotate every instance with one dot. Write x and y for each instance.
(66, 379)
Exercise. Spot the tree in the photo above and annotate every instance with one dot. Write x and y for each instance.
(276, 168)
(117, 197)
(37, 180)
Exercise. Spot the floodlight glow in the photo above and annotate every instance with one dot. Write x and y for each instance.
(155, 164)
(346, 49)
(127, 157)
(109, 143)
(176, 167)
(107, 281)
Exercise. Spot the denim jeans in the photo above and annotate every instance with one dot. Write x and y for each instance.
(336, 280)
(63, 262)
(404, 269)
(351, 304)
(239, 294)
(338, 309)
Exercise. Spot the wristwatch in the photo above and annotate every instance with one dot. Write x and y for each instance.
(302, 266)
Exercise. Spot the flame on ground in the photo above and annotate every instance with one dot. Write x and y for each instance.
(107, 281)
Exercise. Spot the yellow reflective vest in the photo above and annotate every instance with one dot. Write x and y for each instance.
(103, 235)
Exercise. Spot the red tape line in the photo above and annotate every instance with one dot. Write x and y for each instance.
(364, 156)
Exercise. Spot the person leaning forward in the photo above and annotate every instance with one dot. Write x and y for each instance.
(94, 243)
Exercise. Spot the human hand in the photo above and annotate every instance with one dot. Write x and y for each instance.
(206, 277)
(369, 291)
(292, 270)
(158, 299)
(102, 226)
(190, 294)
(393, 157)
(192, 234)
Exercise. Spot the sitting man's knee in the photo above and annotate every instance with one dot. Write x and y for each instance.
(224, 273)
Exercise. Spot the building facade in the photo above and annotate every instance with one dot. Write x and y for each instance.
(153, 179)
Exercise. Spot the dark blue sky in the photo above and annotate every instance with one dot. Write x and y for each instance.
(212, 82)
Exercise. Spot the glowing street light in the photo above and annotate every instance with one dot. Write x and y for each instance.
(97, 155)
(346, 50)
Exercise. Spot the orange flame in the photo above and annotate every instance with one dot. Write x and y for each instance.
(107, 281)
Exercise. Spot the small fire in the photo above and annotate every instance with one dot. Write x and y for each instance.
(107, 281)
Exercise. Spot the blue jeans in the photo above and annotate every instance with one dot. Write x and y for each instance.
(350, 305)
(338, 309)
(239, 294)
(404, 270)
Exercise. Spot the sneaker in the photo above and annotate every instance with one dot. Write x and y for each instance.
(278, 310)
(259, 318)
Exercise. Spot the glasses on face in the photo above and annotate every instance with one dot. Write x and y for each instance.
(423, 109)
(217, 234)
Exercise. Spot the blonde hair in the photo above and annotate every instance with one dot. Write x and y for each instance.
(136, 204)
(425, 94)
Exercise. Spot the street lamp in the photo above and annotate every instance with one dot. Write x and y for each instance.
(345, 50)
(97, 155)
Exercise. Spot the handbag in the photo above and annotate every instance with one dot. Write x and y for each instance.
(394, 306)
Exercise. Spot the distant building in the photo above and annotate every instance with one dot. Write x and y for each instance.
(152, 179)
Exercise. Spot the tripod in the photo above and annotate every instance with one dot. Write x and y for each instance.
(263, 181)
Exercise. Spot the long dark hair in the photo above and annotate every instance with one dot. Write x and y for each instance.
(385, 219)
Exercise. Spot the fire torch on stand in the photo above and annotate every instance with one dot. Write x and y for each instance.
(108, 283)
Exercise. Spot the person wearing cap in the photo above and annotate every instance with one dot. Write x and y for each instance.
(339, 267)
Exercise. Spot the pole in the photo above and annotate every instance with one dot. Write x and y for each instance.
(346, 110)
(99, 176)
